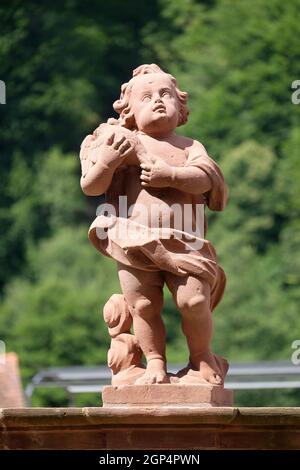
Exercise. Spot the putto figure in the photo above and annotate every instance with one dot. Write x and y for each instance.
(139, 160)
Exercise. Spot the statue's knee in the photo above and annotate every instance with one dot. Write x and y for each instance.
(193, 304)
(146, 308)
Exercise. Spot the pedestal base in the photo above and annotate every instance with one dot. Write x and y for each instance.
(167, 396)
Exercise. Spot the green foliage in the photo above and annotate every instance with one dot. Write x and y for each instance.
(237, 64)
(63, 65)
(50, 318)
(248, 170)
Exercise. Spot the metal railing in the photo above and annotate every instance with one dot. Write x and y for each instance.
(241, 376)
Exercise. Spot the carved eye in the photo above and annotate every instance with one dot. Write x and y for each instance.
(146, 98)
(166, 93)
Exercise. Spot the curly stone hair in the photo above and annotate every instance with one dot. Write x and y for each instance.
(122, 106)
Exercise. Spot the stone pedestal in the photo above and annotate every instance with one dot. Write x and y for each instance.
(167, 396)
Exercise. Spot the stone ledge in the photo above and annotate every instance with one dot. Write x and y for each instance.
(184, 428)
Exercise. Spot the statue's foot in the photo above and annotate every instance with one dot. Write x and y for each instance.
(152, 377)
(202, 367)
(209, 370)
(222, 364)
(154, 374)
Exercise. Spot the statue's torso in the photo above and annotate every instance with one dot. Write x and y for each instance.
(126, 182)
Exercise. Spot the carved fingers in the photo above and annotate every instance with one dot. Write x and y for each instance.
(119, 144)
(156, 173)
(110, 139)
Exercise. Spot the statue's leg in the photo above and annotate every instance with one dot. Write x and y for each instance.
(192, 297)
(143, 292)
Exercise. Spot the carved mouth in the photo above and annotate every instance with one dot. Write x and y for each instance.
(159, 107)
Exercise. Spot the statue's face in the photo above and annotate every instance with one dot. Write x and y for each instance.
(154, 104)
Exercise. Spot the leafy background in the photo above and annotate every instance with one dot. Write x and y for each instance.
(63, 64)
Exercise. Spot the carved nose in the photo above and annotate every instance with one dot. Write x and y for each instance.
(158, 99)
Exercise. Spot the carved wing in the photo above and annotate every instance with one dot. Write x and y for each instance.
(90, 147)
(89, 150)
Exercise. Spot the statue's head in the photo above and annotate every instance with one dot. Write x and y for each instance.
(151, 101)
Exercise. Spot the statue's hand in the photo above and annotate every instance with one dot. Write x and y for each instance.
(156, 173)
(115, 148)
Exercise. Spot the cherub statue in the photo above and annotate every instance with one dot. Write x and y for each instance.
(140, 157)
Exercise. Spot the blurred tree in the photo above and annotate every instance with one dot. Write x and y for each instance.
(63, 65)
(50, 318)
(237, 65)
(258, 303)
